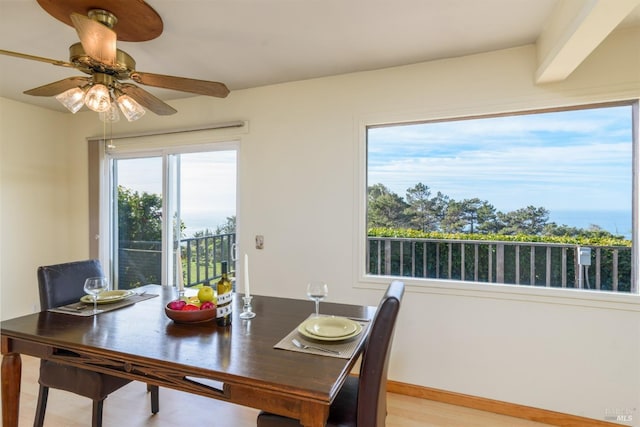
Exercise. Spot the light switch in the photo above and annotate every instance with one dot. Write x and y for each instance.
(259, 241)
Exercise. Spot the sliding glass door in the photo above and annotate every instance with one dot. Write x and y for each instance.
(137, 222)
(172, 215)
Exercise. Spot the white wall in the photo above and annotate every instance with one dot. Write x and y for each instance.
(300, 175)
(34, 200)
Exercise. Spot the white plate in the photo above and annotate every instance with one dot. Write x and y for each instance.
(108, 297)
(303, 330)
(330, 327)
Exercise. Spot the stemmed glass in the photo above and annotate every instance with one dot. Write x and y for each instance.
(317, 291)
(93, 286)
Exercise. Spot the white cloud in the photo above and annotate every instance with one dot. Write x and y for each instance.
(208, 185)
(574, 160)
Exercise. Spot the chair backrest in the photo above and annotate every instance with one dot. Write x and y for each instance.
(372, 388)
(63, 284)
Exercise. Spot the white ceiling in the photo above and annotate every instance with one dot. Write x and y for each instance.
(250, 43)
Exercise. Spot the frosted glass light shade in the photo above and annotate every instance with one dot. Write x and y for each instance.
(130, 108)
(98, 98)
(111, 115)
(73, 99)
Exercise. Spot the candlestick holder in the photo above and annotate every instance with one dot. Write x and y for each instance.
(247, 311)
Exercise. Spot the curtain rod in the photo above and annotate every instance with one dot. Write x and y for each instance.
(225, 125)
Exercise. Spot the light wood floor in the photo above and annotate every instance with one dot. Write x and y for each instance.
(130, 407)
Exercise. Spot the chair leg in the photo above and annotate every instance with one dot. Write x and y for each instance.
(96, 417)
(43, 394)
(155, 398)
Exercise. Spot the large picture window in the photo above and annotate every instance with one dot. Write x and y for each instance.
(537, 199)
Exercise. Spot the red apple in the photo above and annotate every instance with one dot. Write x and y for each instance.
(207, 305)
(190, 307)
(176, 305)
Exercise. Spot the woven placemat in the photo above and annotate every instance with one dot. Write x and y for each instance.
(81, 309)
(346, 348)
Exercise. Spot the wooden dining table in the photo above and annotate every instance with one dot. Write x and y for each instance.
(237, 364)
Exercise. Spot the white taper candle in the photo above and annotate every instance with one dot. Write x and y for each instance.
(247, 291)
(179, 268)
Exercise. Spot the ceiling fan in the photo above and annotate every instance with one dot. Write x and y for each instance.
(96, 55)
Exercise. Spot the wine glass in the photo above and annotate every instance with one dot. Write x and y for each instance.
(93, 286)
(317, 291)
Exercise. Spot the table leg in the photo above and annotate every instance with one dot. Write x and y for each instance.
(314, 415)
(11, 372)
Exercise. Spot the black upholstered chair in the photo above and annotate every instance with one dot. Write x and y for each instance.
(362, 401)
(60, 285)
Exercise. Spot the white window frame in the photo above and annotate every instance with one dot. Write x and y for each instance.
(563, 296)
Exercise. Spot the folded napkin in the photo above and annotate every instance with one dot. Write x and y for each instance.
(346, 347)
(85, 310)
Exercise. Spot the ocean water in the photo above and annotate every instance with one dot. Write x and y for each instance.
(616, 222)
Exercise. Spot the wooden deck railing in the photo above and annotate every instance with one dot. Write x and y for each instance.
(202, 257)
(139, 263)
(518, 263)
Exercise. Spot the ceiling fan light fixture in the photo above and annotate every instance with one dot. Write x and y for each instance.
(111, 115)
(97, 55)
(130, 108)
(73, 99)
(98, 98)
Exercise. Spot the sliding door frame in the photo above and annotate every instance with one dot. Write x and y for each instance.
(102, 182)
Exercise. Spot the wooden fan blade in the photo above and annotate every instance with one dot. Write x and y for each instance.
(147, 100)
(199, 87)
(37, 58)
(58, 87)
(98, 40)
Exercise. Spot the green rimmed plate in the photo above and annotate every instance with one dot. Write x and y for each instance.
(329, 328)
(108, 297)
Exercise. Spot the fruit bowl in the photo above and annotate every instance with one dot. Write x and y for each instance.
(191, 316)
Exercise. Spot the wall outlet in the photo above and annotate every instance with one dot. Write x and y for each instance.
(259, 241)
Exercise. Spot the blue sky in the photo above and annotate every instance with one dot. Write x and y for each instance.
(208, 191)
(572, 160)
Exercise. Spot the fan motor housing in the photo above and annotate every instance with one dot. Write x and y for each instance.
(121, 70)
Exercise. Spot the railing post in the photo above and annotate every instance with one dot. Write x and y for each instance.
(449, 261)
(548, 272)
(517, 264)
(401, 261)
(188, 262)
(476, 261)
(461, 261)
(413, 259)
(598, 265)
(204, 259)
(614, 271)
(387, 257)
(576, 268)
(563, 280)
(490, 261)
(425, 270)
(367, 256)
(532, 266)
(437, 260)
(500, 263)
(214, 256)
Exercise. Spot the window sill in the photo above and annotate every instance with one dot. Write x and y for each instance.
(543, 295)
